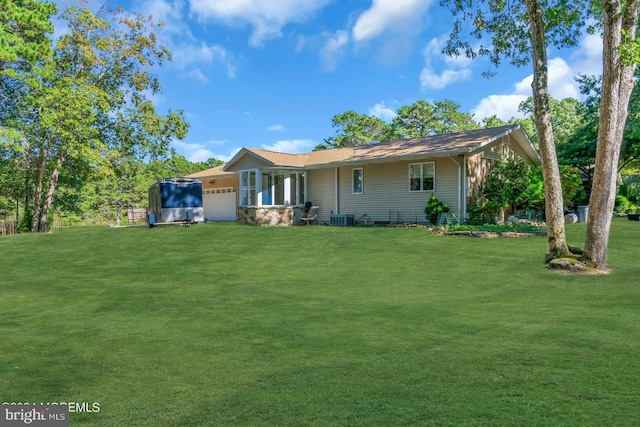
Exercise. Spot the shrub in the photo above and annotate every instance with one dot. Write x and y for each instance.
(506, 185)
(433, 208)
(622, 204)
(26, 221)
(477, 215)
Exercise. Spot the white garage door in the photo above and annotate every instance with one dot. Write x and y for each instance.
(219, 204)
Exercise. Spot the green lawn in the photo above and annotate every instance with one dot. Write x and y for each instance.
(219, 324)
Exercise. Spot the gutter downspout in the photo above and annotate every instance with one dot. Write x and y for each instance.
(464, 188)
(337, 190)
(461, 195)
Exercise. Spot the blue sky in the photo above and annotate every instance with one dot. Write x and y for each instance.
(271, 74)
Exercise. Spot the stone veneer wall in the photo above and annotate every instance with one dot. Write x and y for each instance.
(266, 215)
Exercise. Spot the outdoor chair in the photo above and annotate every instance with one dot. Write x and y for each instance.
(311, 216)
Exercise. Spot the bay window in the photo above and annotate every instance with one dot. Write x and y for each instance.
(271, 188)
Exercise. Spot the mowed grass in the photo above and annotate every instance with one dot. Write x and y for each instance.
(226, 325)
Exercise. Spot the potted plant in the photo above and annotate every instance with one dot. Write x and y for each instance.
(633, 214)
(434, 208)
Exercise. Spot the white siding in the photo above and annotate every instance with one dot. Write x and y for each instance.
(518, 150)
(248, 162)
(321, 192)
(386, 188)
(502, 149)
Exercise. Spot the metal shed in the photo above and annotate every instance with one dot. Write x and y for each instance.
(176, 200)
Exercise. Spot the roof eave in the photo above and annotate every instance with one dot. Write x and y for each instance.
(520, 137)
(241, 153)
(389, 159)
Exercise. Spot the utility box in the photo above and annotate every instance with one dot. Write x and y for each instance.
(176, 200)
(583, 213)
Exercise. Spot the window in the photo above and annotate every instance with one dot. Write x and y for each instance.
(278, 188)
(422, 176)
(267, 193)
(357, 181)
(247, 188)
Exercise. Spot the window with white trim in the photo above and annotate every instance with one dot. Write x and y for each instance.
(248, 188)
(357, 181)
(422, 176)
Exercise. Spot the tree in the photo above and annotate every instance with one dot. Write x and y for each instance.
(425, 119)
(123, 184)
(533, 195)
(567, 116)
(207, 164)
(573, 191)
(520, 32)
(24, 26)
(630, 187)
(23, 37)
(356, 129)
(506, 185)
(580, 149)
(620, 55)
(90, 102)
(417, 120)
(492, 122)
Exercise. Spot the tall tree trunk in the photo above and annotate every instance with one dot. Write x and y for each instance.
(554, 204)
(53, 183)
(617, 85)
(118, 209)
(37, 196)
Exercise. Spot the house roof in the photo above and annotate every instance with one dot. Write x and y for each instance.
(273, 158)
(466, 142)
(215, 171)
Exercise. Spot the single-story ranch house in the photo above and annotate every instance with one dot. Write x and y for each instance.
(379, 182)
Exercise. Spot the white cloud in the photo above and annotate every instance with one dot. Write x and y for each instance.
(456, 68)
(503, 106)
(562, 82)
(189, 55)
(192, 151)
(187, 52)
(156, 99)
(394, 24)
(276, 128)
(329, 45)
(332, 49)
(587, 60)
(385, 15)
(431, 80)
(197, 74)
(292, 146)
(169, 13)
(381, 111)
(267, 17)
(200, 152)
(226, 157)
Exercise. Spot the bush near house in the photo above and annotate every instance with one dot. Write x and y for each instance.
(434, 207)
(513, 185)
